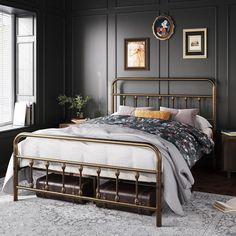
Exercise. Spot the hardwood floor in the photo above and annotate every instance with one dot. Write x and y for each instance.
(212, 181)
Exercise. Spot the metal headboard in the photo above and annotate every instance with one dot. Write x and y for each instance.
(171, 98)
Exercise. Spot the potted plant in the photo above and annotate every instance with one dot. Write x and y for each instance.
(77, 103)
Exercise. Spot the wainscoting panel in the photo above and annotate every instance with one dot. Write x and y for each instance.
(54, 67)
(126, 3)
(6, 142)
(173, 1)
(55, 4)
(134, 18)
(89, 4)
(27, 2)
(89, 50)
(186, 19)
(232, 66)
(136, 25)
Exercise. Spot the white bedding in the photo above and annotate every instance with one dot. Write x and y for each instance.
(177, 177)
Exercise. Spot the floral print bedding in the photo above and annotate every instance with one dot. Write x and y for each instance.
(190, 141)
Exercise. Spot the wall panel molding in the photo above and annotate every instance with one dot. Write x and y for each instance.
(184, 17)
(231, 58)
(135, 3)
(134, 18)
(227, 64)
(89, 60)
(27, 2)
(214, 8)
(180, 1)
(55, 4)
(89, 5)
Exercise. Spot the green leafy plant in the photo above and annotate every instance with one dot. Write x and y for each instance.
(76, 103)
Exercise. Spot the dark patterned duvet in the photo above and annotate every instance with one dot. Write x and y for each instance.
(191, 142)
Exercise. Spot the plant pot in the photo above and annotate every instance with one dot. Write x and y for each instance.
(79, 116)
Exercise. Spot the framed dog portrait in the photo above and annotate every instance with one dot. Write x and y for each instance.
(163, 27)
(195, 43)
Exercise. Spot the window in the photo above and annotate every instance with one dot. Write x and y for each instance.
(25, 55)
(17, 63)
(6, 68)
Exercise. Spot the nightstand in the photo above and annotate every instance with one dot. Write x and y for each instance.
(229, 151)
(67, 124)
(75, 122)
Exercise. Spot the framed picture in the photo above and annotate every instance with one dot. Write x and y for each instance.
(195, 43)
(137, 54)
(163, 27)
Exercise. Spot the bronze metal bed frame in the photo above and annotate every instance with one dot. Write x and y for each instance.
(117, 169)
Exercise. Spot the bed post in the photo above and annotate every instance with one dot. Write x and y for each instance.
(158, 189)
(15, 168)
(113, 97)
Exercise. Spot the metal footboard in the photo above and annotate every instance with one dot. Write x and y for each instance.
(99, 168)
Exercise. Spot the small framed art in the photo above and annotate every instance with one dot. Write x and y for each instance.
(137, 54)
(195, 43)
(163, 27)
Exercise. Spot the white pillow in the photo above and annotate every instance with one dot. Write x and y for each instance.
(208, 132)
(115, 113)
(129, 110)
(201, 123)
(126, 110)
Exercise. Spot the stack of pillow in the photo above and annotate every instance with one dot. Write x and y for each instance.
(146, 112)
(185, 116)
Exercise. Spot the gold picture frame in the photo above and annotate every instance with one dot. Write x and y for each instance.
(195, 43)
(136, 54)
(163, 27)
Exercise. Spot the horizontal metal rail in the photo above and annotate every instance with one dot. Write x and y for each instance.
(87, 198)
(88, 164)
(162, 95)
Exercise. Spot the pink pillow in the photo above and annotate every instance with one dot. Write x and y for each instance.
(186, 116)
(129, 111)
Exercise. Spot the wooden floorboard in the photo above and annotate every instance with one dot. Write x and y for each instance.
(212, 181)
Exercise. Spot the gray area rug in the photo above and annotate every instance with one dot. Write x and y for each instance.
(36, 216)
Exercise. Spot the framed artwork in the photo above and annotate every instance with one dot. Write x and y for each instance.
(195, 43)
(137, 54)
(163, 27)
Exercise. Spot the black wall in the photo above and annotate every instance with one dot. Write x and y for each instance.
(51, 19)
(96, 50)
(80, 50)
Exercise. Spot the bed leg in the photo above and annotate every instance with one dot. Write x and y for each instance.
(15, 195)
(158, 206)
(15, 181)
(158, 190)
(15, 178)
(158, 219)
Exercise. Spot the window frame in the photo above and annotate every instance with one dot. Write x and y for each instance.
(16, 97)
